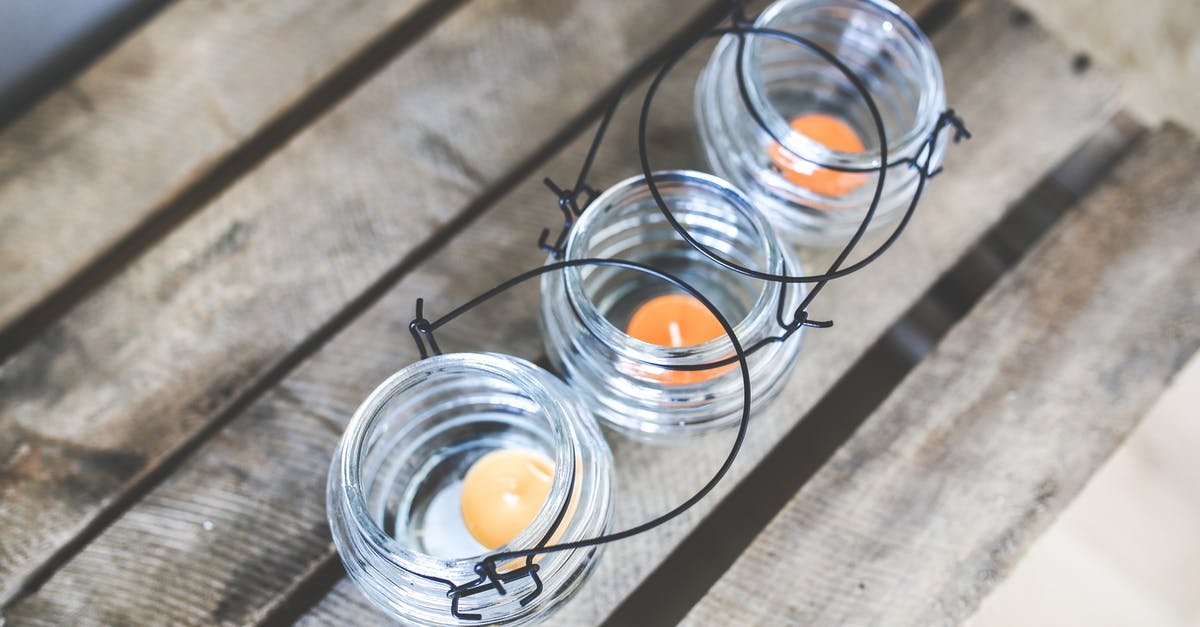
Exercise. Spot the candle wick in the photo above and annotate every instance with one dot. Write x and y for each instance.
(676, 335)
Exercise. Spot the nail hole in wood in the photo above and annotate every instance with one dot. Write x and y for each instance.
(1080, 63)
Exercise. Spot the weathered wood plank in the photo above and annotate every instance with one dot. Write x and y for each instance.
(221, 304)
(940, 492)
(1013, 82)
(154, 116)
(267, 526)
(267, 517)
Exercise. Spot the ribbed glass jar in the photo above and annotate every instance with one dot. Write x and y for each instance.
(392, 499)
(585, 310)
(787, 82)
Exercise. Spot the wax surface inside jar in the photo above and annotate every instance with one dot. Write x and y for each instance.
(676, 320)
(503, 492)
(831, 132)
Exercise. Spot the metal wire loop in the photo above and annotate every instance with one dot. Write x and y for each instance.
(743, 27)
(487, 575)
(573, 201)
(422, 331)
(568, 204)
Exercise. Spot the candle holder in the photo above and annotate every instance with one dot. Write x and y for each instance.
(789, 128)
(653, 391)
(394, 488)
(410, 441)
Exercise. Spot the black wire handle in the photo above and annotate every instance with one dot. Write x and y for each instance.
(573, 200)
(488, 578)
(568, 199)
(742, 29)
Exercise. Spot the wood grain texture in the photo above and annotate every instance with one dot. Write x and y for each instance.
(942, 489)
(268, 527)
(171, 343)
(153, 116)
(260, 483)
(1012, 82)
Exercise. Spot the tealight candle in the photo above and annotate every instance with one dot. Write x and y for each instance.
(503, 492)
(676, 320)
(639, 349)
(456, 456)
(831, 132)
(820, 118)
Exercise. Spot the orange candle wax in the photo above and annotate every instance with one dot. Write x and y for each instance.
(503, 492)
(676, 320)
(831, 132)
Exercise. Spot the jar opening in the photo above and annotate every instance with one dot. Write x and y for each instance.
(641, 387)
(407, 429)
(625, 222)
(875, 40)
(415, 437)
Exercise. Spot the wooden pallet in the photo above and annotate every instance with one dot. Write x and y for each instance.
(212, 240)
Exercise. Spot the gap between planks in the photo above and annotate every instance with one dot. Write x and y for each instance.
(941, 491)
(668, 593)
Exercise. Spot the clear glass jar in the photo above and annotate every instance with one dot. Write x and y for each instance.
(585, 310)
(397, 473)
(785, 81)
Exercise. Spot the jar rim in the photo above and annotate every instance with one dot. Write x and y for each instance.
(718, 348)
(528, 379)
(928, 111)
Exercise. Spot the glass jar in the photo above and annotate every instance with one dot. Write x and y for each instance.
(793, 90)
(585, 311)
(394, 486)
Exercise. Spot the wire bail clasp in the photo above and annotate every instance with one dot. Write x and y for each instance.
(947, 118)
(422, 332)
(489, 579)
(568, 204)
(801, 319)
